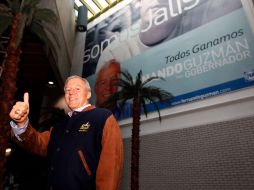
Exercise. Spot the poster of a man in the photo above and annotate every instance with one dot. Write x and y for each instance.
(106, 79)
(160, 39)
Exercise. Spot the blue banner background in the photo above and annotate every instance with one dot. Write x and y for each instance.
(220, 68)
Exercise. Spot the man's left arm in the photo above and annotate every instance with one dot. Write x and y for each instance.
(110, 166)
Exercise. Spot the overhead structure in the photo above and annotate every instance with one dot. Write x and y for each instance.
(95, 7)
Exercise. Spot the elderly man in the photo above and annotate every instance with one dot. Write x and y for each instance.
(106, 86)
(106, 80)
(85, 151)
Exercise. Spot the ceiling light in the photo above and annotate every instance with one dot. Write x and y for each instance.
(50, 82)
(7, 151)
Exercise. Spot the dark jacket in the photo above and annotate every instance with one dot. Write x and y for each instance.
(85, 152)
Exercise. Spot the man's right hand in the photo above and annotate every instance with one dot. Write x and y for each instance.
(20, 111)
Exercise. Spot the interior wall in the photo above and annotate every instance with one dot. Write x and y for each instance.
(78, 53)
(65, 31)
(206, 144)
(66, 13)
(212, 156)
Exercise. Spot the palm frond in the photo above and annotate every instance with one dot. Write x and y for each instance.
(29, 17)
(32, 3)
(9, 3)
(28, 6)
(138, 82)
(127, 77)
(120, 105)
(151, 79)
(5, 22)
(128, 89)
(49, 29)
(143, 104)
(111, 100)
(160, 94)
(14, 6)
(4, 9)
(155, 105)
(45, 15)
(122, 83)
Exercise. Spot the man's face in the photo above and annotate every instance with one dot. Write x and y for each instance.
(104, 86)
(76, 94)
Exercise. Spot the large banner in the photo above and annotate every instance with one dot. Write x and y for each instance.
(201, 47)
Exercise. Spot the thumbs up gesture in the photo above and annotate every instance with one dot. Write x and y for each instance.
(20, 111)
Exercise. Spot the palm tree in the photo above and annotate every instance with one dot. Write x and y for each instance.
(16, 16)
(141, 95)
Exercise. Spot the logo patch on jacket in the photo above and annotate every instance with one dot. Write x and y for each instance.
(84, 127)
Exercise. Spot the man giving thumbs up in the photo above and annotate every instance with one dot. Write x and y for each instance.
(84, 151)
(20, 111)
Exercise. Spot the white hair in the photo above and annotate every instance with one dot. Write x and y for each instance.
(87, 85)
(106, 64)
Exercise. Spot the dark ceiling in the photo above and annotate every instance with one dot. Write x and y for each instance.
(35, 70)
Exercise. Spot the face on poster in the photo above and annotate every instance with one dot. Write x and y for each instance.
(201, 47)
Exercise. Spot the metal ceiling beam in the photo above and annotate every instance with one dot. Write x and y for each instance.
(88, 7)
(98, 4)
(100, 7)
